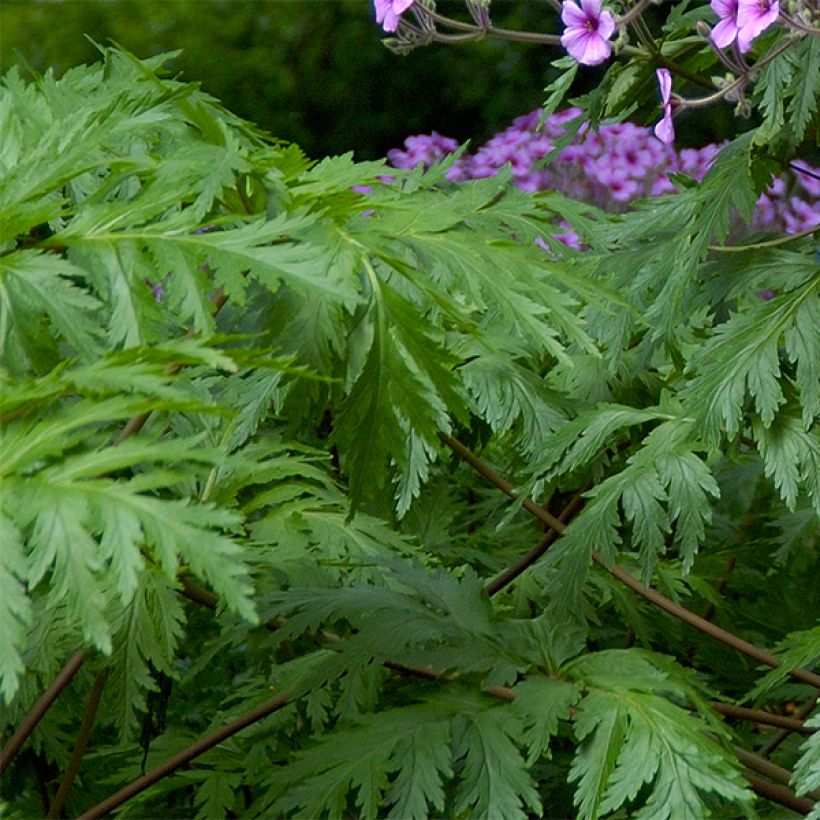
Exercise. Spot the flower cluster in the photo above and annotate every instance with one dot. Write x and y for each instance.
(609, 168)
(587, 32)
(589, 28)
(742, 20)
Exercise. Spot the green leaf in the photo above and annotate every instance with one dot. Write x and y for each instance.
(147, 632)
(15, 608)
(359, 760)
(799, 648)
(791, 456)
(540, 704)
(805, 87)
(494, 778)
(34, 283)
(747, 347)
(632, 735)
(806, 774)
(559, 87)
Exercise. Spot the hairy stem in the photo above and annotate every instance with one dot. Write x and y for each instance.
(492, 31)
(39, 709)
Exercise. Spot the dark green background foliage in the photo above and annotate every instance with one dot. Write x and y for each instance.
(315, 71)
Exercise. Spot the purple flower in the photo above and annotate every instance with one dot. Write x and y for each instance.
(389, 11)
(752, 17)
(808, 178)
(587, 31)
(801, 216)
(665, 130)
(724, 33)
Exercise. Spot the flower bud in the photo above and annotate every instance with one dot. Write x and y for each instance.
(703, 29)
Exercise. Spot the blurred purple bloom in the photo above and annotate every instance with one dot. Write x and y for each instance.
(389, 11)
(801, 216)
(610, 168)
(752, 17)
(724, 33)
(421, 149)
(808, 178)
(665, 130)
(766, 294)
(588, 29)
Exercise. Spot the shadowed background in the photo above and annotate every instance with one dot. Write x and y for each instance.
(315, 71)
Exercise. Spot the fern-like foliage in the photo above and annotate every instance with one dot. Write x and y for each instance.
(230, 388)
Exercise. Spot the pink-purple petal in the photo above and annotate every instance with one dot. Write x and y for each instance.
(572, 16)
(596, 50)
(389, 11)
(665, 83)
(753, 16)
(665, 129)
(592, 8)
(724, 33)
(606, 25)
(725, 9)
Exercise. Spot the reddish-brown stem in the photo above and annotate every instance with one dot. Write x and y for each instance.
(769, 769)
(206, 598)
(760, 716)
(184, 757)
(527, 560)
(83, 736)
(802, 712)
(39, 709)
(660, 601)
(778, 794)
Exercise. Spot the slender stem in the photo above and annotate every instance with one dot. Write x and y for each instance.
(39, 709)
(778, 794)
(492, 31)
(651, 595)
(83, 736)
(761, 716)
(772, 243)
(740, 82)
(526, 561)
(634, 12)
(803, 712)
(769, 769)
(201, 746)
(799, 25)
(452, 39)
